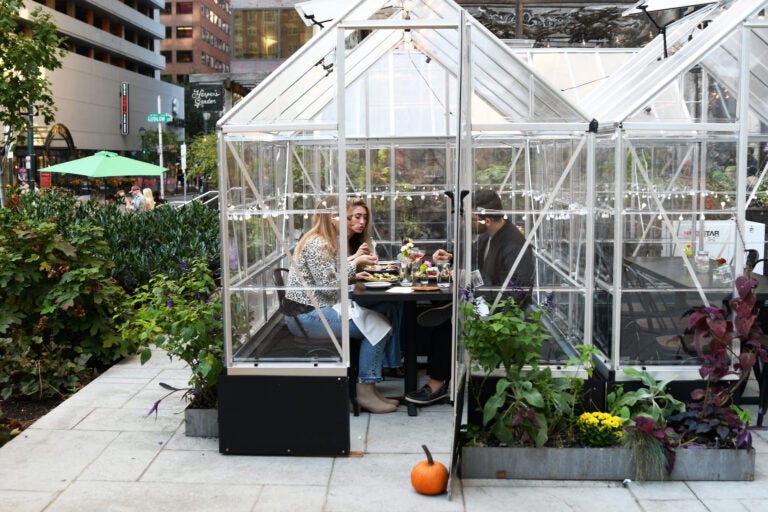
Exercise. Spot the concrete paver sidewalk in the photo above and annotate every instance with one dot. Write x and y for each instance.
(98, 451)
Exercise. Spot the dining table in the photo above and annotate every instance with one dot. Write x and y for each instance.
(670, 271)
(410, 297)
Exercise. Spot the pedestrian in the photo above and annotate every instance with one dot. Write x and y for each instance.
(138, 201)
(150, 199)
(123, 204)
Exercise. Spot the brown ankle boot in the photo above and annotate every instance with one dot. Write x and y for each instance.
(367, 399)
(381, 397)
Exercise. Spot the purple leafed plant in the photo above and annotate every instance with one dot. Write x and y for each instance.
(726, 347)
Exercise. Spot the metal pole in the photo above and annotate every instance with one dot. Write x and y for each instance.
(160, 146)
(31, 147)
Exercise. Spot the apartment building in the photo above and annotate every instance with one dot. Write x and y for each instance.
(109, 81)
(197, 38)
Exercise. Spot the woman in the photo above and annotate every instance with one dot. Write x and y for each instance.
(359, 242)
(359, 229)
(316, 265)
(149, 197)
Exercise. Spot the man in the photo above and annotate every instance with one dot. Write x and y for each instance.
(122, 202)
(139, 202)
(498, 244)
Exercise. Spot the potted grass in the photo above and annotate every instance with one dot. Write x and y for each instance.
(183, 317)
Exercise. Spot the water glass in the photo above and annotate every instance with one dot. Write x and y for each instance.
(724, 274)
(702, 261)
(444, 274)
(406, 272)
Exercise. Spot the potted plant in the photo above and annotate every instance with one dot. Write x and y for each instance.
(537, 426)
(728, 350)
(183, 316)
(528, 405)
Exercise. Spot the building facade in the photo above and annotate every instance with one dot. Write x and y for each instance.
(109, 81)
(197, 38)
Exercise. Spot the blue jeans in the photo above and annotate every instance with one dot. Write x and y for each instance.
(369, 364)
(393, 357)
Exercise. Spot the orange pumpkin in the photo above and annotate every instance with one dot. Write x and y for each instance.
(429, 477)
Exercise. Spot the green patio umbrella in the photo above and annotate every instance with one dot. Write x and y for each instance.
(106, 164)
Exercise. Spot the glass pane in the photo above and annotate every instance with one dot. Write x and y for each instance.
(255, 34)
(293, 33)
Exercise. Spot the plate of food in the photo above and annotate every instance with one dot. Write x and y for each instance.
(385, 278)
(383, 267)
(377, 284)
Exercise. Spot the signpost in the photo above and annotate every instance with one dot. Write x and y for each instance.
(159, 118)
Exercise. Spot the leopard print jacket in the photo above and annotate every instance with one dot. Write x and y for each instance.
(317, 267)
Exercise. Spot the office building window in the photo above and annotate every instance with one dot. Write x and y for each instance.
(168, 56)
(184, 56)
(183, 32)
(184, 7)
(268, 33)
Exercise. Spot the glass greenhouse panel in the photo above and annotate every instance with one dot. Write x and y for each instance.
(274, 188)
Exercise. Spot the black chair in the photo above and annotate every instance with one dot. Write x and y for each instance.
(654, 330)
(279, 275)
(284, 308)
(752, 257)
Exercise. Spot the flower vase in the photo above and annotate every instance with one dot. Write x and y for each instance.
(406, 271)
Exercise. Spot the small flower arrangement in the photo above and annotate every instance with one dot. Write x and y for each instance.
(721, 261)
(407, 248)
(688, 250)
(600, 429)
(425, 266)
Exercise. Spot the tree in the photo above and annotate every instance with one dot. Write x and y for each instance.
(27, 46)
(203, 160)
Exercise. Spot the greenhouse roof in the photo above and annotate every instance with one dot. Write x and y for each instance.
(402, 73)
(710, 38)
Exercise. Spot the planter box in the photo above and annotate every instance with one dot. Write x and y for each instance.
(600, 464)
(201, 422)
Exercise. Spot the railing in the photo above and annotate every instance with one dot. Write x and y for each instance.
(209, 198)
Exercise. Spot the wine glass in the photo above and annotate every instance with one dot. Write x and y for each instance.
(416, 254)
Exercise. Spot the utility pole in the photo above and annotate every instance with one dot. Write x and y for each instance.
(160, 146)
(31, 147)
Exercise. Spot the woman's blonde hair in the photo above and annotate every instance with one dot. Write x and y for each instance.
(149, 197)
(324, 225)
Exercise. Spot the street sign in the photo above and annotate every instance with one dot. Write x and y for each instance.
(159, 118)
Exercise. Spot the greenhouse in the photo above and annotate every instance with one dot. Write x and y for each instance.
(630, 174)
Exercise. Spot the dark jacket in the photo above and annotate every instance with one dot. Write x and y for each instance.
(505, 245)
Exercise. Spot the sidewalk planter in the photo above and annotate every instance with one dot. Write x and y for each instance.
(600, 464)
(201, 422)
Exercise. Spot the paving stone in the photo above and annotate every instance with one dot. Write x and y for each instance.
(204, 467)
(24, 501)
(155, 497)
(48, 460)
(127, 457)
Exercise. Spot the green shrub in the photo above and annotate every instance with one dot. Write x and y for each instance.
(165, 239)
(58, 300)
(183, 316)
(65, 267)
